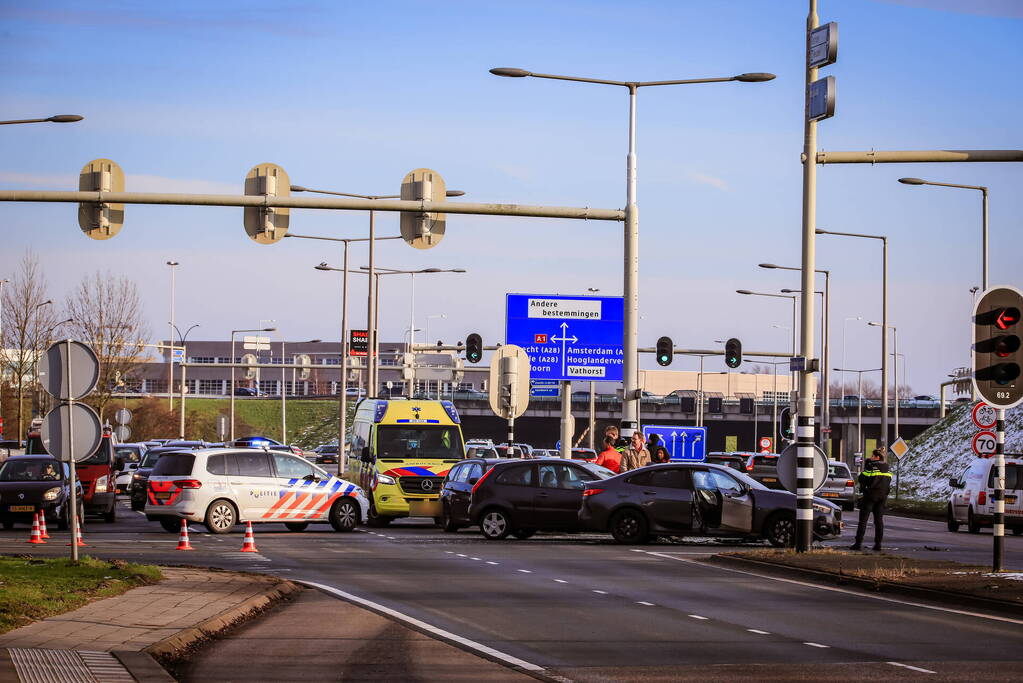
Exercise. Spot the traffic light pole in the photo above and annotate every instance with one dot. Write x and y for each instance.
(998, 523)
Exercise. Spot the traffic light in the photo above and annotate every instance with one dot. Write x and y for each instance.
(996, 343)
(746, 406)
(786, 428)
(715, 404)
(474, 348)
(687, 404)
(665, 351)
(733, 353)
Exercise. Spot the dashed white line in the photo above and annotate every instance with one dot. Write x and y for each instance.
(390, 538)
(643, 602)
(525, 571)
(475, 558)
(758, 631)
(560, 581)
(599, 592)
(489, 562)
(816, 645)
(697, 616)
(460, 554)
(450, 552)
(912, 668)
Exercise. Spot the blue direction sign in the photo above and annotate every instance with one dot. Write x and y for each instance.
(543, 387)
(177, 355)
(683, 443)
(568, 337)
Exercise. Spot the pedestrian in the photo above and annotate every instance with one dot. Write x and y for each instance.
(621, 445)
(659, 455)
(637, 455)
(610, 457)
(875, 481)
(652, 443)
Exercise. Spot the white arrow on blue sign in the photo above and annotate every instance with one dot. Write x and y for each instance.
(683, 443)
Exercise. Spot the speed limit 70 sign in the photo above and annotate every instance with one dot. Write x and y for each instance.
(984, 444)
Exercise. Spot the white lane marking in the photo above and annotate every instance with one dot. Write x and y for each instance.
(450, 552)
(834, 589)
(816, 645)
(600, 592)
(697, 616)
(460, 554)
(912, 668)
(430, 628)
(489, 562)
(525, 571)
(390, 538)
(560, 581)
(758, 631)
(643, 602)
(475, 558)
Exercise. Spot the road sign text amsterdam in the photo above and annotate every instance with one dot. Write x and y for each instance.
(568, 337)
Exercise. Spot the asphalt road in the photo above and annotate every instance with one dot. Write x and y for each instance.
(582, 608)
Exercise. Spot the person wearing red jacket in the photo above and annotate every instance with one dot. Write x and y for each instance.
(610, 457)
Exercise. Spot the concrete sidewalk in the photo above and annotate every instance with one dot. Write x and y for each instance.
(188, 606)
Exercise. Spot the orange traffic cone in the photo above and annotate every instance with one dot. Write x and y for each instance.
(183, 543)
(250, 541)
(42, 525)
(78, 526)
(35, 538)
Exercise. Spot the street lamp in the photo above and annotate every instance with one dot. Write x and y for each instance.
(778, 296)
(59, 118)
(371, 303)
(630, 370)
(859, 406)
(233, 361)
(170, 364)
(884, 321)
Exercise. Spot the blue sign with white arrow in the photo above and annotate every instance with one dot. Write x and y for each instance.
(544, 387)
(682, 443)
(568, 337)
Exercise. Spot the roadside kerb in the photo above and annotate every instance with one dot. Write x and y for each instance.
(947, 598)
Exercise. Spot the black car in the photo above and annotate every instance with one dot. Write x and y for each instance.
(736, 461)
(697, 499)
(137, 486)
(456, 490)
(326, 455)
(520, 497)
(29, 483)
(764, 468)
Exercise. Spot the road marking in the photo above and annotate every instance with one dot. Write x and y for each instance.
(390, 538)
(489, 562)
(758, 631)
(600, 592)
(697, 616)
(450, 552)
(643, 602)
(525, 571)
(475, 558)
(912, 668)
(460, 554)
(560, 581)
(834, 589)
(816, 645)
(430, 628)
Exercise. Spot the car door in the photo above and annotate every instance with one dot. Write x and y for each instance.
(560, 495)
(515, 487)
(668, 498)
(253, 487)
(300, 489)
(462, 491)
(736, 503)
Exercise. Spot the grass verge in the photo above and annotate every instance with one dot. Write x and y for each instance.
(35, 588)
(923, 509)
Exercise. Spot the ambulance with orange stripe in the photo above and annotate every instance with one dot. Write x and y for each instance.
(401, 451)
(221, 487)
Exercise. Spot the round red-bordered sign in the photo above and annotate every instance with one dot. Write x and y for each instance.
(984, 444)
(984, 416)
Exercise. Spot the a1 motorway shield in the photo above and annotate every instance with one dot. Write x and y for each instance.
(568, 337)
(683, 443)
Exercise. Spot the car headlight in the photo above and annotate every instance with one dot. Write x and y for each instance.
(384, 479)
(51, 494)
(821, 508)
(101, 484)
(136, 477)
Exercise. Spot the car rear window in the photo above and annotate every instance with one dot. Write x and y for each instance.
(174, 464)
(1013, 477)
(765, 460)
(839, 472)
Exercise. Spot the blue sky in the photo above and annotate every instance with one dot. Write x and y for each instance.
(188, 96)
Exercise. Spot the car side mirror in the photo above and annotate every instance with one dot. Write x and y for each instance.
(954, 483)
(472, 480)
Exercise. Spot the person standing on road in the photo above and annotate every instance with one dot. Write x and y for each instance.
(875, 481)
(620, 444)
(637, 455)
(610, 457)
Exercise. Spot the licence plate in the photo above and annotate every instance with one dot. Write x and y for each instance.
(162, 496)
(770, 479)
(22, 508)
(425, 508)
(829, 495)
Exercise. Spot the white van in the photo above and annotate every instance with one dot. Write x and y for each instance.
(972, 500)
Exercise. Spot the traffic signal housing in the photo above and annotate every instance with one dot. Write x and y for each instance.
(474, 348)
(733, 353)
(997, 357)
(665, 351)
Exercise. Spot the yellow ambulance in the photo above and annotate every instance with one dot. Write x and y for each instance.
(400, 452)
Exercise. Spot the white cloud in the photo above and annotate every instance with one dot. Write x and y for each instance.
(706, 179)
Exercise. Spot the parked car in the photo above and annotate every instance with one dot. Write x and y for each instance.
(521, 497)
(96, 474)
(255, 442)
(506, 451)
(246, 391)
(355, 392)
(456, 491)
(584, 454)
(327, 454)
(30, 483)
(140, 477)
(126, 459)
(481, 451)
(839, 487)
(697, 499)
(764, 468)
(735, 461)
(972, 499)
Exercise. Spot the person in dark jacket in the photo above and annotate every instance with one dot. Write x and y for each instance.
(875, 482)
(659, 455)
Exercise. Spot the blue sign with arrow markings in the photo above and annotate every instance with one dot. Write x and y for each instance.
(683, 443)
(544, 387)
(568, 337)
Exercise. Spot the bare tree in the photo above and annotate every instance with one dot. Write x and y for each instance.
(29, 324)
(106, 313)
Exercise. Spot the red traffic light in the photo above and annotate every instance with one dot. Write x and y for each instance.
(1007, 317)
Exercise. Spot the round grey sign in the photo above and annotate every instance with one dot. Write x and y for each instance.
(123, 416)
(122, 432)
(54, 375)
(84, 439)
(787, 468)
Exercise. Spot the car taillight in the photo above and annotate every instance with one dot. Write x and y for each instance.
(850, 482)
(982, 498)
(481, 479)
(749, 468)
(591, 492)
(187, 483)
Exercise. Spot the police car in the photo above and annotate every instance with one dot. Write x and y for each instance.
(221, 487)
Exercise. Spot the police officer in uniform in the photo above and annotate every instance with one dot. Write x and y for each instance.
(875, 482)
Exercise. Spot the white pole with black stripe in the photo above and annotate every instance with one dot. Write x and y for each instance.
(999, 493)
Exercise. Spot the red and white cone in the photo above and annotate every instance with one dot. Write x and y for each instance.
(42, 525)
(183, 543)
(250, 541)
(36, 537)
(78, 534)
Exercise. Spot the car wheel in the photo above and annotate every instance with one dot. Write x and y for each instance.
(171, 525)
(780, 530)
(221, 516)
(495, 524)
(523, 534)
(446, 523)
(953, 525)
(629, 527)
(376, 520)
(296, 526)
(344, 516)
(971, 522)
(111, 516)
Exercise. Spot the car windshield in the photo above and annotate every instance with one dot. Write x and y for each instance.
(29, 470)
(332, 450)
(419, 442)
(150, 458)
